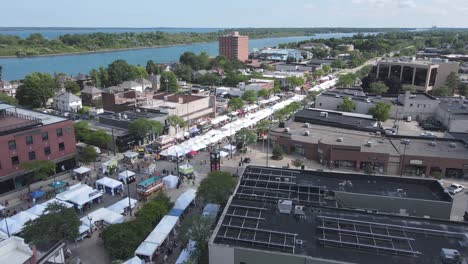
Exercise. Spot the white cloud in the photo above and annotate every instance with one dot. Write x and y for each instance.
(385, 3)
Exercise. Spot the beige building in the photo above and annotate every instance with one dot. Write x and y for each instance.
(425, 75)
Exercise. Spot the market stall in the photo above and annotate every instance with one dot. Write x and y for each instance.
(82, 172)
(109, 167)
(186, 170)
(80, 195)
(170, 181)
(109, 185)
(182, 202)
(130, 157)
(127, 177)
(58, 186)
(102, 216)
(121, 207)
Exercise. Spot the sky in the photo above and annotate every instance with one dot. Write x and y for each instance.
(234, 13)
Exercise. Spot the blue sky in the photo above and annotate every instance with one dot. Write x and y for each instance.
(235, 13)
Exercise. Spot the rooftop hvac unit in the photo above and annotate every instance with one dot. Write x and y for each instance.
(306, 133)
(449, 256)
(285, 206)
(433, 144)
(286, 130)
(453, 145)
(369, 143)
(323, 114)
(340, 139)
(405, 141)
(307, 125)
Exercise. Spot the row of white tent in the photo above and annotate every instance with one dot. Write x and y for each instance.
(167, 224)
(216, 135)
(324, 86)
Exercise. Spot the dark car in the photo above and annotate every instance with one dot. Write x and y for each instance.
(247, 160)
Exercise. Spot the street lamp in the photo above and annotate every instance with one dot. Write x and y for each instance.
(90, 224)
(128, 194)
(402, 163)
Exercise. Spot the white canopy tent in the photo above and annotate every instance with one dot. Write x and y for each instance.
(37, 209)
(103, 214)
(13, 226)
(109, 185)
(184, 200)
(119, 207)
(55, 200)
(81, 170)
(134, 260)
(157, 236)
(185, 254)
(230, 148)
(79, 194)
(170, 181)
(223, 154)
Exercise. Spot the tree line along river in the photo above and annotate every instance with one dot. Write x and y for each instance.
(17, 68)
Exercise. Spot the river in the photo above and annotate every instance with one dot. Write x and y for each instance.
(17, 68)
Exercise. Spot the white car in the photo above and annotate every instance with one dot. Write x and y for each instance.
(455, 188)
(428, 134)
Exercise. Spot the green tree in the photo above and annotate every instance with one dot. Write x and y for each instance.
(277, 152)
(139, 72)
(246, 137)
(338, 63)
(8, 99)
(326, 68)
(60, 223)
(394, 85)
(198, 229)
(364, 71)
(318, 73)
(442, 91)
(104, 77)
(453, 82)
(297, 163)
(81, 130)
(235, 104)
(216, 187)
(276, 87)
(99, 138)
(378, 88)
(249, 96)
(195, 62)
(264, 93)
(381, 111)
(88, 154)
(462, 90)
(169, 82)
(95, 76)
(40, 169)
(347, 105)
(121, 240)
(120, 71)
(183, 72)
(294, 81)
(71, 87)
(233, 79)
(152, 67)
(346, 80)
(176, 121)
(142, 128)
(209, 79)
(36, 89)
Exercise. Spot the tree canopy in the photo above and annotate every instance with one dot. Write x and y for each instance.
(278, 152)
(378, 88)
(60, 223)
(152, 67)
(142, 127)
(196, 62)
(209, 79)
(246, 137)
(338, 63)
(235, 103)
(88, 154)
(347, 105)
(176, 121)
(216, 187)
(326, 68)
(443, 90)
(263, 93)
(249, 96)
(36, 89)
(183, 72)
(453, 82)
(71, 87)
(381, 111)
(8, 99)
(169, 82)
(233, 79)
(41, 169)
(346, 80)
(294, 81)
(196, 228)
(120, 71)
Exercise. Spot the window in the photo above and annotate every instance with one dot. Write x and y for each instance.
(59, 132)
(15, 160)
(61, 146)
(32, 155)
(47, 151)
(45, 136)
(320, 104)
(12, 144)
(29, 140)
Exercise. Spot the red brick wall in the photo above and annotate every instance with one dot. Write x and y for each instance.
(22, 149)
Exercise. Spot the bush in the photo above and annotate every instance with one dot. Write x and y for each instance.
(277, 152)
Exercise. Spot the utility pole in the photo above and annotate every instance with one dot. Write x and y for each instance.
(402, 163)
(113, 141)
(128, 194)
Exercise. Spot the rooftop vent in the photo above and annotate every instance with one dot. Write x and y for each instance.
(307, 125)
(453, 145)
(323, 114)
(286, 130)
(340, 139)
(369, 143)
(433, 144)
(306, 133)
(285, 206)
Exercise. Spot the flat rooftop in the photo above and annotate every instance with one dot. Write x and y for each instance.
(422, 147)
(334, 234)
(337, 119)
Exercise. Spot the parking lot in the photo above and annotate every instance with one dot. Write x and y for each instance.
(409, 128)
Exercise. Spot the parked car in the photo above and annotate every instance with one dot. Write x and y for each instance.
(455, 188)
(247, 160)
(428, 134)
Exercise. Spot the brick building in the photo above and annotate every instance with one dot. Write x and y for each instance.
(27, 135)
(234, 46)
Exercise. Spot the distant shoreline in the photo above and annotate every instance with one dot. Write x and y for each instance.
(100, 51)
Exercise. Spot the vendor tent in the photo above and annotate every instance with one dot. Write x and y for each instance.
(79, 194)
(81, 170)
(157, 236)
(170, 181)
(54, 200)
(184, 256)
(211, 210)
(103, 214)
(13, 226)
(36, 194)
(223, 154)
(120, 206)
(38, 209)
(186, 169)
(146, 249)
(134, 260)
(184, 200)
(110, 186)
